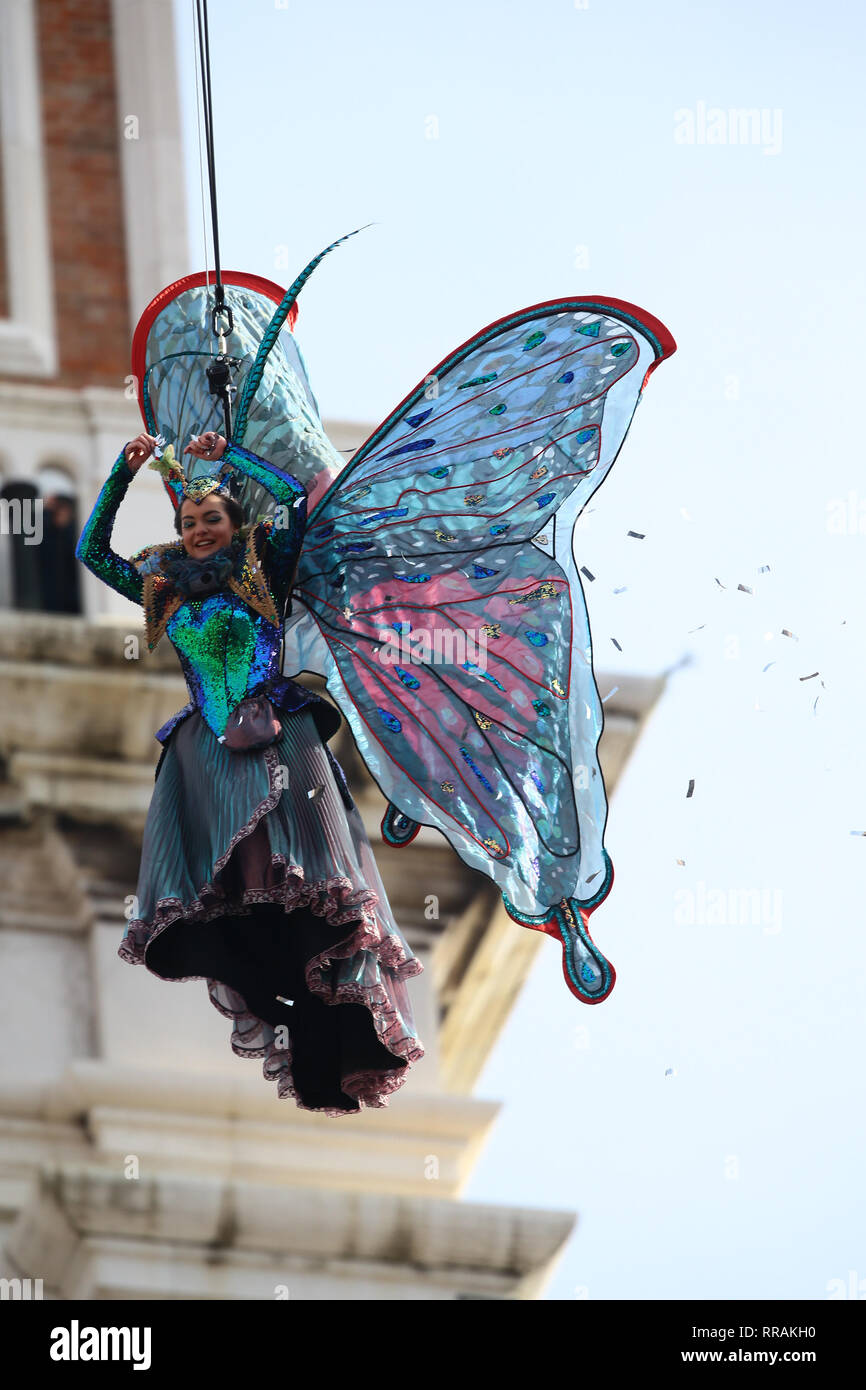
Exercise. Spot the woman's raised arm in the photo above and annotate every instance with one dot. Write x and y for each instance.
(94, 544)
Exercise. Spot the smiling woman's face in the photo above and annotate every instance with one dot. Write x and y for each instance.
(204, 526)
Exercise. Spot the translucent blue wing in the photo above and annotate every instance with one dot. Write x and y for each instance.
(442, 602)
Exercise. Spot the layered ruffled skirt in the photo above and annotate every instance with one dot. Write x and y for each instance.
(258, 878)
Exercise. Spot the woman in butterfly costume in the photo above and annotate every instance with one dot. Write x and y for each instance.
(431, 582)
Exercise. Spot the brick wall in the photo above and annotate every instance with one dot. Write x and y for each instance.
(81, 131)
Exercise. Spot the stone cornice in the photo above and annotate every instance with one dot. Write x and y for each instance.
(30, 406)
(80, 1216)
(423, 1143)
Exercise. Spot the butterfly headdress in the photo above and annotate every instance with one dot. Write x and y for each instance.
(182, 486)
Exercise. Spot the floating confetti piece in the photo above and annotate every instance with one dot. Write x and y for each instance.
(314, 792)
(623, 590)
(744, 588)
(638, 535)
(682, 863)
(764, 569)
(810, 678)
(786, 633)
(609, 693)
(616, 644)
(283, 1000)
(851, 832)
(588, 574)
(768, 665)
(720, 584)
(691, 788)
(671, 1071)
(697, 629)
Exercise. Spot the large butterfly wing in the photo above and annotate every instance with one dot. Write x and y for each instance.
(443, 604)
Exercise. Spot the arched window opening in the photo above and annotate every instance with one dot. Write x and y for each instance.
(38, 534)
(60, 577)
(19, 534)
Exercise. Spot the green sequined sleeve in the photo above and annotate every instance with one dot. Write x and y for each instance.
(94, 545)
(285, 489)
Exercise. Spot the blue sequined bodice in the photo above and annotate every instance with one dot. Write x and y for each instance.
(227, 652)
(228, 649)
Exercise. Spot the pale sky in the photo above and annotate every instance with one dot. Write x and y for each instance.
(706, 1121)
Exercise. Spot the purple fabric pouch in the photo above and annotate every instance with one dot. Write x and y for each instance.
(251, 724)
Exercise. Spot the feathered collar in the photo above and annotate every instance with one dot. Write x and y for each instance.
(171, 576)
(196, 576)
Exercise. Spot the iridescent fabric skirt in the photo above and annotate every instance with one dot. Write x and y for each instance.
(258, 878)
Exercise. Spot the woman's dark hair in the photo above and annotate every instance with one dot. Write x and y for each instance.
(234, 509)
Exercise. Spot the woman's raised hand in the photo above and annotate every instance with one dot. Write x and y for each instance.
(209, 445)
(139, 450)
